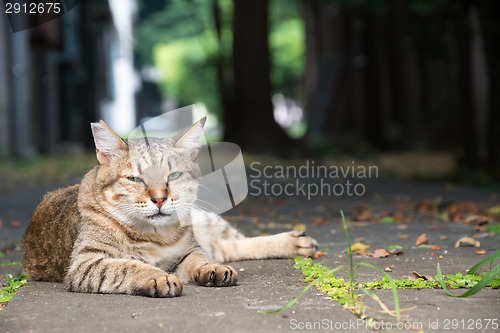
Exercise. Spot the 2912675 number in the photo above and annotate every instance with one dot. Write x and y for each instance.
(33, 8)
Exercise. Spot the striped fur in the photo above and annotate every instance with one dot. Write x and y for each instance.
(118, 231)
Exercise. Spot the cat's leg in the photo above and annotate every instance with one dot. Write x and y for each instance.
(196, 268)
(283, 245)
(224, 243)
(94, 272)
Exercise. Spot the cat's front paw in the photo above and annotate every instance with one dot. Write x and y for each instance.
(164, 285)
(302, 245)
(214, 275)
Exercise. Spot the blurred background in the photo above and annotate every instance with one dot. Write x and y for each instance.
(408, 84)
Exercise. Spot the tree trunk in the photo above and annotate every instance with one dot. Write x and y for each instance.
(224, 79)
(490, 26)
(252, 124)
(468, 138)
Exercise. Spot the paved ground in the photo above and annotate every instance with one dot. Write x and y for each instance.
(47, 307)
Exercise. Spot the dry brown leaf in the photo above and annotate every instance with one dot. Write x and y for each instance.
(404, 236)
(467, 241)
(380, 253)
(300, 227)
(422, 239)
(420, 276)
(398, 217)
(402, 227)
(481, 252)
(397, 252)
(317, 221)
(363, 213)
(477, 219)
(15, 223)
(359, 247)
(443, 237)
(436, 227)
(389, 268)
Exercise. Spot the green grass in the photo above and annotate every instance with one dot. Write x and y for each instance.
(12, 263)
(487, 279)
(343, 291)
(340, 290)
(495, 228)
(43, 169)
(13, 284)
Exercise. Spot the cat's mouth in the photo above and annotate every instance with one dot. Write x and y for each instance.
(158, 215)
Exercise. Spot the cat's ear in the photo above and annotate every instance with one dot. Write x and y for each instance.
(190, 138)
(107, 142)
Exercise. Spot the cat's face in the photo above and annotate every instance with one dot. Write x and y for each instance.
(147, 183)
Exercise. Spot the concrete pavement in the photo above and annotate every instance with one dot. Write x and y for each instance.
(269, 284)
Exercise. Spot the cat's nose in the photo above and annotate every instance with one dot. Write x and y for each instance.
(158, 196)
(159, 201)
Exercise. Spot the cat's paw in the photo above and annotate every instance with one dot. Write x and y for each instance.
(302, 245)
(214, 275)
(163, 285)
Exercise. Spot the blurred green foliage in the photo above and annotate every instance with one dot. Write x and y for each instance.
(180, 39)
(44, 170)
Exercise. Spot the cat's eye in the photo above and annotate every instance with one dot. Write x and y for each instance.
(174, 175)
(135, 179)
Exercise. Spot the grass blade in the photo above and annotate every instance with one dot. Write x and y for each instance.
(480, 285)
(393, 286)
(483, 262)
(440, 279)
(351, 271)
(295, 299)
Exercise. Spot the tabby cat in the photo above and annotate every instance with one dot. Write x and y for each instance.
(118, 231)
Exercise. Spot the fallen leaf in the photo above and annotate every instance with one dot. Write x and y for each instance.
(402, 227)
(409, 219)
(380, 253)
(398, 217)
(477, 219)
(480, 228)
(397, 252)
(422, 239)
(318, 254)
(435, 248)
(388, 269)
(363, 213)
(404, 236)
(494, 210)
(436, 227)
(443, 237)
(300, 227)
(420, 276)
(359, 247)
(440, 257)
(467, 241)
(481, 252)
(317, 221)
(15, 223)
